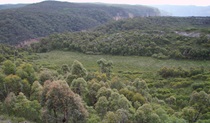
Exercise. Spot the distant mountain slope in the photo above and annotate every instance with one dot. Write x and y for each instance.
(159, 37)
(11, 6)
(42, 19)
(175, 10)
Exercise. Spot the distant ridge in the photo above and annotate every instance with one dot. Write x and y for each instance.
(41, 19)
(181, 11)
(11, 6)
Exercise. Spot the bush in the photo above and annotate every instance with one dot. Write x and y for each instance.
(173, 72)
(200, 77)
(196, 86)
(160, 56)
(179, 72)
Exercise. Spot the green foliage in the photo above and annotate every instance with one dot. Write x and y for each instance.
(46, 75)
(110, 117)
(103, 91)
(36, 91)
(48, 17)
(26, 71)
(116, 83)
(105, 66)
(102, 106)
(9, 67)
(144, 114)
(9, 103)
(160, 37)
(200, 100)
(61, 103)
(78, 70)
(23, 106)
(79, 86)
(93, 88)
(140, 85)
(171, 100)
(65, 69)
(189, 113)
(13, 83)
(121, 98)
(179, 72)
(20, 106)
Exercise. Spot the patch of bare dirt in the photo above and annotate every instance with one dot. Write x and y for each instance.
(28, 42)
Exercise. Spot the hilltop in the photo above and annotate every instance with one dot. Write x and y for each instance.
(48, 17)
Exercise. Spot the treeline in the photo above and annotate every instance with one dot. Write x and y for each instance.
(152, 36)
(75, 94)
(45, 18)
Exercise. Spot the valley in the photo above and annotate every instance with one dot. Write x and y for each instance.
(63, 62)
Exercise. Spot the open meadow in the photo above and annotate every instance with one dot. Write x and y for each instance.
(56, 59)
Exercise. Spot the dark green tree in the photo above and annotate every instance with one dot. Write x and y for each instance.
(79, 86)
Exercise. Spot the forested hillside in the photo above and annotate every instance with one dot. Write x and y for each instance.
(41, 19)
(159, 37)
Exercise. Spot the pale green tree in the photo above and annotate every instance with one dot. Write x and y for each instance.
(13, 83)
(26, 71)
(103, 91)
(30, 110)
(189, 113)
(145, 114)
(101, 106)
(105, 66)
(200, 101)
(110, 117)
(36, 91)
(8, 67)
(78, 69)
(93, 88)
(61, 104)
(9, 103)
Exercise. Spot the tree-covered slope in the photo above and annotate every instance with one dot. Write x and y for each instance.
(160, 37)
(42, 19)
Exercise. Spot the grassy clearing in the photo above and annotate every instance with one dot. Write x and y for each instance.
(55, 59)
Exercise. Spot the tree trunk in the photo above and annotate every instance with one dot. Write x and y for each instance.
(55, 115)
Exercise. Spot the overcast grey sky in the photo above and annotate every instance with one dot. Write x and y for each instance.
(143, 2)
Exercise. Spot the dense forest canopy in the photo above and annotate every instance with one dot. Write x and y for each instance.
(160, 37)
(41, 19)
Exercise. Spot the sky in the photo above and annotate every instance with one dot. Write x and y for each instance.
(133, 2)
